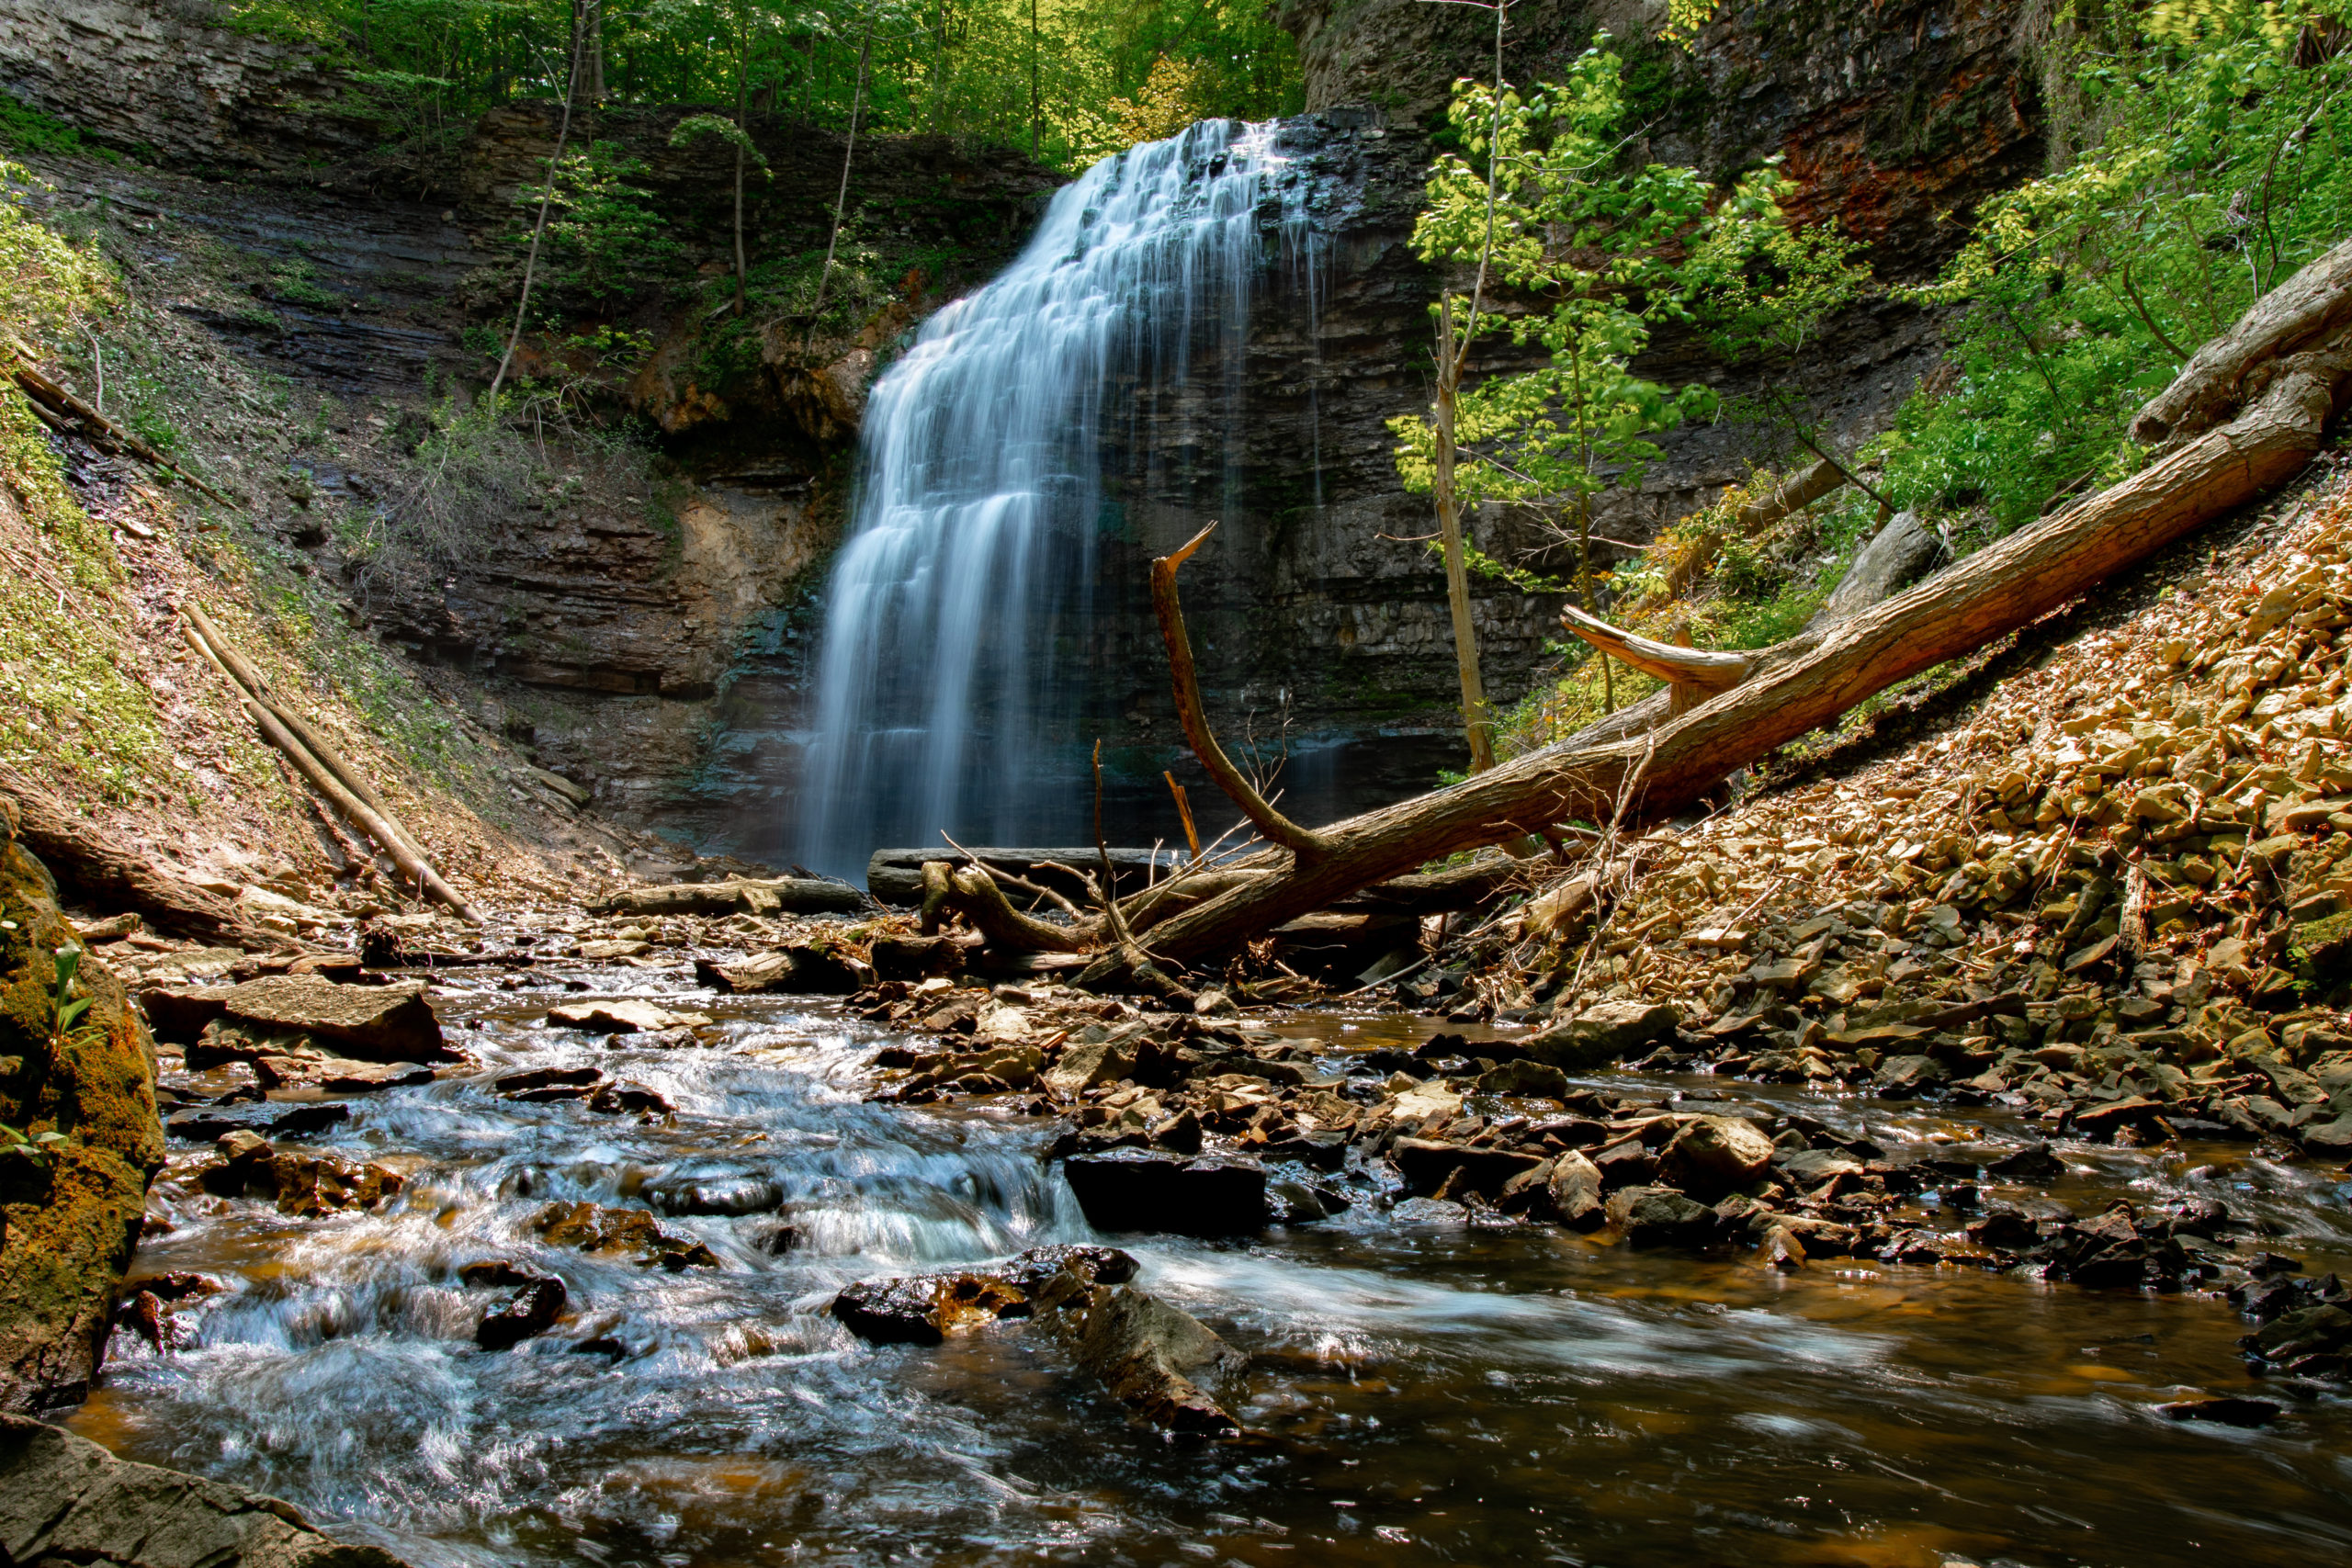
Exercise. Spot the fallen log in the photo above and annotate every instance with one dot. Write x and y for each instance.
(110, 871)
(747, 896)
(2310, 308)
(208, 641)
(1808, 681)
(336, 790)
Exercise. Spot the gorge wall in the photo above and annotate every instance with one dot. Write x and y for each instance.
(650, 639)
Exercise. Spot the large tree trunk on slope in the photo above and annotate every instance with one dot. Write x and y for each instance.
(1808, 680)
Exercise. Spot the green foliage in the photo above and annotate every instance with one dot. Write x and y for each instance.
(962, 68)
(1571, 227)
(602, 238)
(2215, 167)
(718, 128)
(68, 1006)
(24, 129)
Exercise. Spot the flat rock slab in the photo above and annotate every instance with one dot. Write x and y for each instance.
(1134, 1189)
(205, 1123)
(66, 1499)
(373, 1023)
(623, 1016)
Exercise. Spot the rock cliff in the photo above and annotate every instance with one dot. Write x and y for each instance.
(652, 639)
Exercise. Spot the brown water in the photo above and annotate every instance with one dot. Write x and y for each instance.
(1428, 1394)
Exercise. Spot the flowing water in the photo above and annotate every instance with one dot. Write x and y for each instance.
(1426, 1394)
(955, 652)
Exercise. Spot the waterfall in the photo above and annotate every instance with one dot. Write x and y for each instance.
(950, 676)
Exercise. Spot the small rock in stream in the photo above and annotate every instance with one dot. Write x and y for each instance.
(2229, 1410)
(532, 1311)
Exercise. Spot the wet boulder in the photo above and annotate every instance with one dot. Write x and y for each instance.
(924, 1308)
(2309, 1340)
(64, 1499)
(1574, 1186)
(1137, 1189)
(726, 1196)
(1147, 1353)
(1601, 1034)
(548, 1086)
(538, 1302)
(269, 1118)
(304, 1185)
(1524, 1077)
(1659, 1216)
(587, 1228)
(1716, 1154)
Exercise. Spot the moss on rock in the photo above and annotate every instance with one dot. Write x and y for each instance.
(69, 1217)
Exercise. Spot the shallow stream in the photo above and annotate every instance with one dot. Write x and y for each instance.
(1422, 1392)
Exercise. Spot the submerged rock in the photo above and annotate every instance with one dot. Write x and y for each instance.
(726, 1196)
(63, 1499)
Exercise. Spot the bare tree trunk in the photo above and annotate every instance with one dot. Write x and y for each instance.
(742, 140)
(540, 227)
(1476, 722)
(849, 155)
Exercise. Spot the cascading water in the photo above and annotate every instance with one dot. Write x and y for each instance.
(950, 673)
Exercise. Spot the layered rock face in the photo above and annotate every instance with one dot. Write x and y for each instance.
(1889, 115)
(69, 1209)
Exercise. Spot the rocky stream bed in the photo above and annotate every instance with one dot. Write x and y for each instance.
(639, 1271)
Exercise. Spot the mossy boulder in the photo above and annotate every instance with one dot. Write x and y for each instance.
(69, 1214)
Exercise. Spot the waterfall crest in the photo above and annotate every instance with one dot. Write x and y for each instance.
(951, 670)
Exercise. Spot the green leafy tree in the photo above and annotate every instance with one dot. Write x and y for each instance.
(1542, 197)
(1763, 288)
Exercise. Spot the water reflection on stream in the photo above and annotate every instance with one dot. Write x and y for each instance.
(1430, 1393)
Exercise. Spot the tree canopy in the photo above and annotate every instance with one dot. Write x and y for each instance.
(1073, 79)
